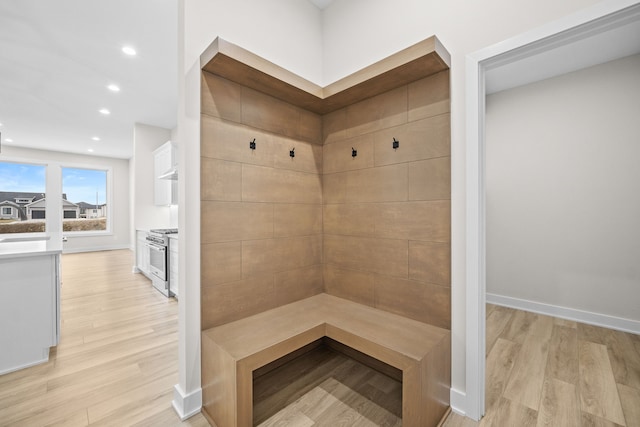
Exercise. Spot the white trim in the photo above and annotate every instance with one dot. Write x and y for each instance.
(186, 405)
(582, 316)
(458, 401)
(27, 365)
(96, 249)
(596, 18)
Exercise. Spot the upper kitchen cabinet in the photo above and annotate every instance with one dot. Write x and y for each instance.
(165, 174)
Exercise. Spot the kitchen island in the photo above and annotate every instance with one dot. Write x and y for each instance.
(30, 303)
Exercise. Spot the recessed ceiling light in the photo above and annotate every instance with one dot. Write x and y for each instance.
(105, 112)
(128, 50)
(90, 150)
(96, 138)
(8, 140)
(113, 88)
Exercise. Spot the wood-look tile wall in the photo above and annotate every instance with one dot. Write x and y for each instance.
(386, 212)
(374, 228)
(261, 210)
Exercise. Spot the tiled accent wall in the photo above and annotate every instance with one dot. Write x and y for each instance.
(261, 226)
(374, 228)
(386, 212)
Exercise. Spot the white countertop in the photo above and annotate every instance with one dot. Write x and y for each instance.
(14, 247)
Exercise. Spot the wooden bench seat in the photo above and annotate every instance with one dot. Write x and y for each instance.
(231, 352)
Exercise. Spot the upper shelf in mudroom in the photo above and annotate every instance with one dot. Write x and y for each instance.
(243, 67)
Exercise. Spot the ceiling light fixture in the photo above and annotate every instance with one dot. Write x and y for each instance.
(113, 88)
(90, 150)
(8, 140)
(128, 50)
(96, 138)
(105, 112)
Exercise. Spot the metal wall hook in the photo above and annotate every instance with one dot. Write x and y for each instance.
(354, 152)
(292, 152)
(396, 143)
(252, 144)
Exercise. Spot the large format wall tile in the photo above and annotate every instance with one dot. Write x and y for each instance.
(380, 112)
(220, 180)
(430, 179)
(350, 219)
(334, 126)
(429, 97)
(230, 141)
(420, 301)
(430, 262)
(353, 285)
(226, 221)
(220, 97)
(420, 140)
(294, 285)
(260, 184)
(297, 219)
(429, 221)
(338, 157)
(221, 263)
(231, 301)
(383, 256)
(277, 255)
(384, 184)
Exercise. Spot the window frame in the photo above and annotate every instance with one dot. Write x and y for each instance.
(108, 199)
(30, 162)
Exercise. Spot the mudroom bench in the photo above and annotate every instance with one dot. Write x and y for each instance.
(232, 352)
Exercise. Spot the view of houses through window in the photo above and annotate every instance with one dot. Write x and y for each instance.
(23, 200)
(84, 204)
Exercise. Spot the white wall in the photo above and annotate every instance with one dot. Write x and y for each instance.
(118, 210)
(349, 35)
(146, 214)
(359, 32)
(563, 190)
(286, 32)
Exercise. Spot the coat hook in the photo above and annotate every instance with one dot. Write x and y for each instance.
(292, 152)
(354, 152)
(252, 144)
(396, 143)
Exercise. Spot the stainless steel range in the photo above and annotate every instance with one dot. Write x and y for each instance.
(158, 245)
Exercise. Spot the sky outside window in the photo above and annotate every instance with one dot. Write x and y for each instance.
(85, 185)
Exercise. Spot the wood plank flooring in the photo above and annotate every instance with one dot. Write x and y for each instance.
(544, 371)
(117, 363)
(326, 388)
(117, 360)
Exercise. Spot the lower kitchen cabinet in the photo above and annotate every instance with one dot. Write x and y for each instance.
(173, 265)
(142, 253)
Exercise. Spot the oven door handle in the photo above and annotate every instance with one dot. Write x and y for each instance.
(155, 247)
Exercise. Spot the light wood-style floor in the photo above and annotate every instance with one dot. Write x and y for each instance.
(117, 363)
(117, 360)
(544, 371)
(326, 388)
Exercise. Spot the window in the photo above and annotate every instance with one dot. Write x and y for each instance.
(84, 200)
(22, 197)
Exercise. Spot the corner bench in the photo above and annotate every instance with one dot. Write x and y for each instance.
(231, 352)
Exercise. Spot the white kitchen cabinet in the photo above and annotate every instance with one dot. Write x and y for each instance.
(165, 159)
(173, 265)
(30, 303)
(142, 253)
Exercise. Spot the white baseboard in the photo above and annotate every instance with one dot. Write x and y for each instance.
(94, 249)
(186, 405)
(603, 320)
(458, 401)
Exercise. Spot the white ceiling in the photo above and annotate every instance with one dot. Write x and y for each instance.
(603, 45)
(321, 4)
(57, 58)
